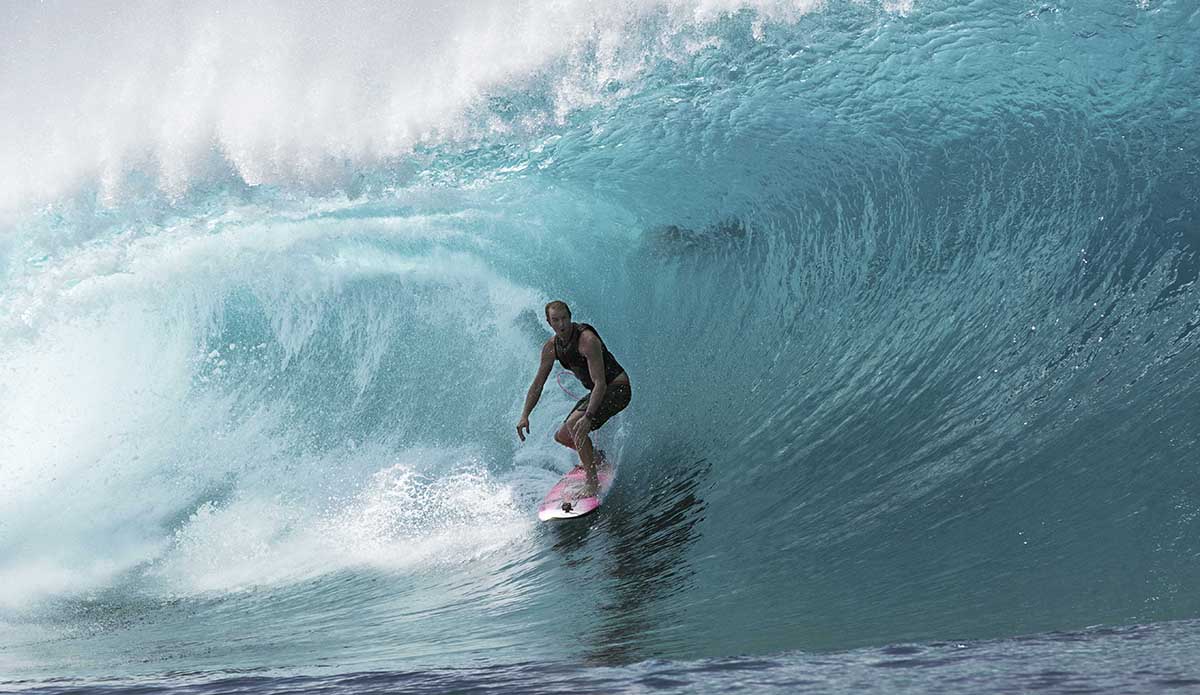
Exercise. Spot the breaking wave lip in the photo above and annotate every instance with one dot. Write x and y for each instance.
(299, 94)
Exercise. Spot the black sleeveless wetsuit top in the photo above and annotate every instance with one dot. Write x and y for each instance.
(571, 358)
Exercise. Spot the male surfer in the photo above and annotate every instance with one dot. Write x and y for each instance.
(579, 348)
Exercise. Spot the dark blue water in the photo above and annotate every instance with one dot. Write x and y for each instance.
(906, 293)
(1130, 659)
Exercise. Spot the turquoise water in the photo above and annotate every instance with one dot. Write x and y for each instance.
(906, 293)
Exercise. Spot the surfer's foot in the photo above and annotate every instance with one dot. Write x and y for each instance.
(589, 489)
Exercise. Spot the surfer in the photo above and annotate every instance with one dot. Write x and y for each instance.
(578, 347)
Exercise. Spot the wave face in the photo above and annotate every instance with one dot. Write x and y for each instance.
(906, 292)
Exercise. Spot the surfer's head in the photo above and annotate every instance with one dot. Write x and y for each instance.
(558, 315)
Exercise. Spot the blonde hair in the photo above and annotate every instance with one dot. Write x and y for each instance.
(557, 304)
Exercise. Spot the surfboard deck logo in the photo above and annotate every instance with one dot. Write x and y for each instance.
(564, 500)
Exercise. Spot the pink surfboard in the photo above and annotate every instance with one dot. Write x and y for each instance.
(563, 500)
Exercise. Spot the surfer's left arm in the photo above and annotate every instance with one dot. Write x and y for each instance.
(589, 345)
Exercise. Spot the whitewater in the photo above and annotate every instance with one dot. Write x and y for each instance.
(906, 291)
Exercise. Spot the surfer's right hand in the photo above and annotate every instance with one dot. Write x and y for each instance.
(523, 425)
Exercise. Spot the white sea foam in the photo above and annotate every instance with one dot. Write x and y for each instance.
(126, 443)
(421, 507)
(303, 92)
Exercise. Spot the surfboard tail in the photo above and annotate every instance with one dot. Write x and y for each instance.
(562, 501)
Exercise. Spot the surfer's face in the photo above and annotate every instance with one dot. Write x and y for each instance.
(560, 321)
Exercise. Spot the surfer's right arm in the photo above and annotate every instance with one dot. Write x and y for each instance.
(535, 389)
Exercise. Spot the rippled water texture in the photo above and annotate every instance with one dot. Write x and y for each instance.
(906, 292)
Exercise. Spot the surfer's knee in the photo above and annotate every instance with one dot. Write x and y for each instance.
(563, 436)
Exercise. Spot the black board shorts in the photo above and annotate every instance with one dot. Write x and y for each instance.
(616, 397)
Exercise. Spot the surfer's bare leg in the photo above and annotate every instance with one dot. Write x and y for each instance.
(587, 457)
